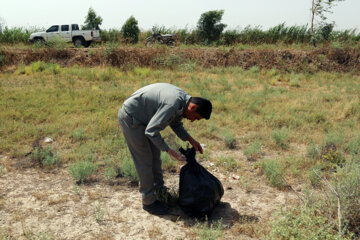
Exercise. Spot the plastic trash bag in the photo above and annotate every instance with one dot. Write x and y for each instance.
(199, 190)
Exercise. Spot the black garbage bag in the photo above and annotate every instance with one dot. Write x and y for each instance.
(199, 190)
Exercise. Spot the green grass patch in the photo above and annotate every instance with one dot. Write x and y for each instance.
(44, 156)
(274, 172)
(82, 170)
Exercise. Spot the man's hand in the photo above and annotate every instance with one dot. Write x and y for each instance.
(176, 155)
(195, 144)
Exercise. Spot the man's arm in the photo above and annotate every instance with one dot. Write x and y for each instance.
(157, 123)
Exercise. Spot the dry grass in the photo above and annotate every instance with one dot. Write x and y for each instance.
(324, 59)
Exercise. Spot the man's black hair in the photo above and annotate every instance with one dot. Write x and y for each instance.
(204, 106)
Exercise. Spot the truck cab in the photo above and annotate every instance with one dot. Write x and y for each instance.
(68, 33)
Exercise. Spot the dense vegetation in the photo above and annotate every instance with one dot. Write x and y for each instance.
(248, 35)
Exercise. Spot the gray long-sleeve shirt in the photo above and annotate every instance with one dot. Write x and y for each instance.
(157, 106)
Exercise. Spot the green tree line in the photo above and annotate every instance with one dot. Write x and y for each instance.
(209, 31)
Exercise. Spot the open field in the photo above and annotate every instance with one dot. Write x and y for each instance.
(285, 129)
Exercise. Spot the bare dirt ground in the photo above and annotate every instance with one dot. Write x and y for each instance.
(40, 204)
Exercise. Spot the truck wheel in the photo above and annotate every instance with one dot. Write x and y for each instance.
(88, 43)
(170, 43)
(39, 41)
(78, 42)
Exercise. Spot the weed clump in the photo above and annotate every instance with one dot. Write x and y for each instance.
(82, 170)
(281, 137)
(253, 150)
(274, 172)
(44, 156)
(230, 140)
(128, 169)
(308, 222)
(331, 156)
(347, 185)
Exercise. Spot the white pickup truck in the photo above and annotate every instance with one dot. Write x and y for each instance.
(68, 33)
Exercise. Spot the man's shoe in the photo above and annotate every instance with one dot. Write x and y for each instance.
(156, 208)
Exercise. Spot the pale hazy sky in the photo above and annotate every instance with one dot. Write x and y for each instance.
(172, 14)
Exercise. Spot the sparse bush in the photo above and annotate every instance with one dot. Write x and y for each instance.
(347, 184)
(92, 21)
(274, 172)
(254, 149)
(229, 138)
(128, 168)
(167, 162)
(228, 163)
(335, 138)
(313, 151)
(281, 137)
(111, 35)
(98, 212)
(354, 146)
(44, 156)
(16, 34)
(81, 170)
(331, 156)
(306, 222)
(78, 135)
(2, 60)
(314, 175)
(230, 37)
(110, 173)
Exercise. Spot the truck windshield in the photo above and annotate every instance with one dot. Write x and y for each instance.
(54, 28)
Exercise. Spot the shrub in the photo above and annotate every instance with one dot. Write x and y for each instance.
(2, 60)
(229, 139)
(44, 156)
(274, 172)
(331, 156)
(78, 135)
(110, 173)
(92, 21)
(306, 223)
(209, 27)
(354, 146)
(111, 35)
(314, 175)
(81, 170)
(281, 137)
(167, 161)
(313, 151)
(228, 163)
(347, 184)
(230, 37)
(128, 168)
(130, 30)
(254, 149)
